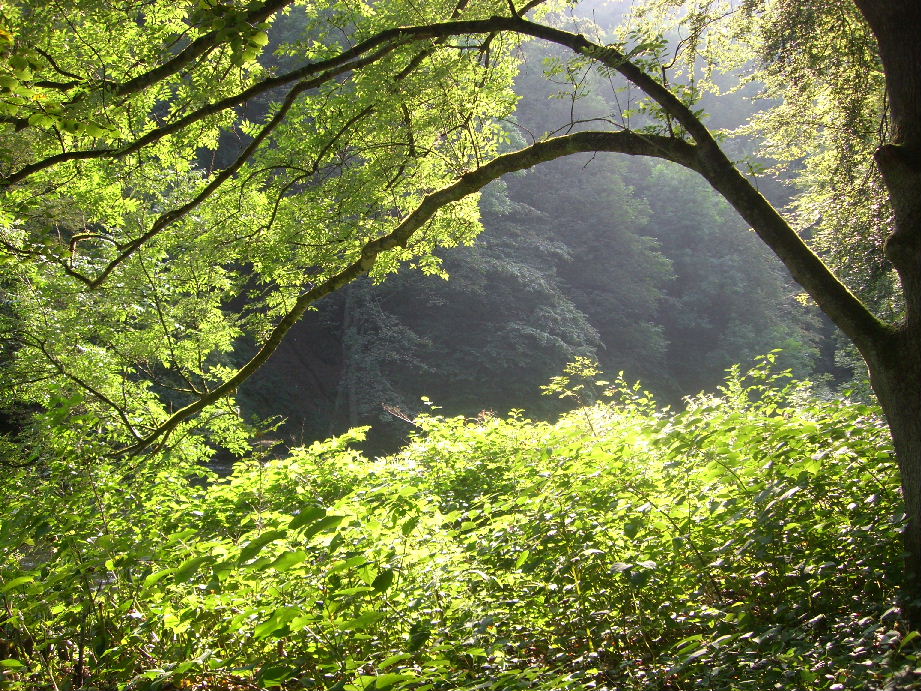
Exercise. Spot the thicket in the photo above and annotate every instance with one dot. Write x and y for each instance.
(744, 542)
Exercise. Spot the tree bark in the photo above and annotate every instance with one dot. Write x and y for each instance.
(895, 372)
(895, 362)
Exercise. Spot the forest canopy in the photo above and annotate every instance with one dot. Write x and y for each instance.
(170, 216)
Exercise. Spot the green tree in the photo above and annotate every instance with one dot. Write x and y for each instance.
(125, 261)
(728, 298)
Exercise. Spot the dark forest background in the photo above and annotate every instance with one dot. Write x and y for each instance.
(634, 263)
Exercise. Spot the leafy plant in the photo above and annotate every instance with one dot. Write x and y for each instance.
(739, 543)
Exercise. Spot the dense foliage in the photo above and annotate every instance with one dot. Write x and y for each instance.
(173, 200)
(139, 251)
(743, 542)
(636, 264)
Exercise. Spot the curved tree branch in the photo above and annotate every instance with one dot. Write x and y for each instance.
(705, 156)
(834, 298)
(581, 142)
(387, 41)
(843, 307)
(326, 71)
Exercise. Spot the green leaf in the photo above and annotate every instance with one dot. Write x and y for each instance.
(308, 515)
(349, 563)
(254, 546)
(278, 622)
(259, 38)
(187, 569)
(41, 120)
(393, 659)
(181, 535)
(71, 126)
(409, 526)
(383, 581)
(385, 681)
(362, 621)
(355, 590)
(419, 634)
(688, 643)
(260, 564)
(276, 675)
(632, 527)
(15, 583)
(909, 637)
(11, 663)
(184, 667)
(288, 560)
(154, 578)
(324, 524)
(94, 129)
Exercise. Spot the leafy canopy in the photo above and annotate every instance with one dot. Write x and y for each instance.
(172, 187)
(182, 181)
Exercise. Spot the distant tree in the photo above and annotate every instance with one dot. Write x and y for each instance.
(728, 298)
(125, 264)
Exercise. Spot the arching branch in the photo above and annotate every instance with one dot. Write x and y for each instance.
(843, 307)
(832, 296)
(704, 156)
(581, 142)
(382, 44)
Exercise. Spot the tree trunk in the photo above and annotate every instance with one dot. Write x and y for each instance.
(896, 377)
(895, 363)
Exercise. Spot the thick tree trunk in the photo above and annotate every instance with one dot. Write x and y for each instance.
(896, 377)
(895, 363)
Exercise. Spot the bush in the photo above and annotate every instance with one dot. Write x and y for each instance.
(749, 541)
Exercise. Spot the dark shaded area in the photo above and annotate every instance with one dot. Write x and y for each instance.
(635, 263)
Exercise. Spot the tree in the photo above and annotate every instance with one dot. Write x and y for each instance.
(729, 298)
(131, 272)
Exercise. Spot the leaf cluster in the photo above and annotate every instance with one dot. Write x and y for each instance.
(740, 543)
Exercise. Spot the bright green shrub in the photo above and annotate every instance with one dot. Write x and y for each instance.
(746, 542)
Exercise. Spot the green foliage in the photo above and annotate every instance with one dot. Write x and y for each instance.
(821, 112)
(174, 194)
(164, 207)
(729, 296)
(741, 543)
(143, 265)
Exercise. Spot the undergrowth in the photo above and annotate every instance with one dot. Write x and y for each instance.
(749, 541)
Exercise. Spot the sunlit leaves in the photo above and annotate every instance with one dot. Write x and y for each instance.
(145, 262)
(723, 544)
